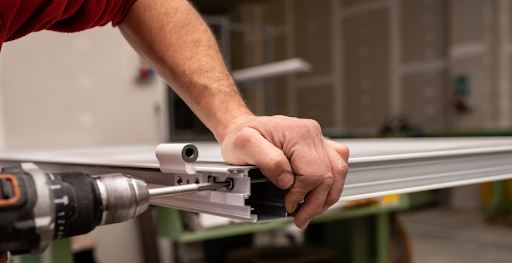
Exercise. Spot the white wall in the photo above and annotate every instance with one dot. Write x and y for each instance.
(61, 90)
(79, 90)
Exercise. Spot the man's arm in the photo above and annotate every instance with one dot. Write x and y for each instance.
(171, 37)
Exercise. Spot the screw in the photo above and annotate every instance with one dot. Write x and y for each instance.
(231, 183)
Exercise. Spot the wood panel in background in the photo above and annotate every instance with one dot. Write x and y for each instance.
(424, 29)
(425, 99)
(313, 39)
(366, 69)
(316, 103)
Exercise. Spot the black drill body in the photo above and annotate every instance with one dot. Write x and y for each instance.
(74, 197)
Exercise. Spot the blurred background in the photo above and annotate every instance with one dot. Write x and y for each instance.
(361, 68)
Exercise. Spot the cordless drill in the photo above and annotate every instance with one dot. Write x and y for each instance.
(37, 207)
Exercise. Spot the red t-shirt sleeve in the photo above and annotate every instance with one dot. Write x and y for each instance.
(21, 17)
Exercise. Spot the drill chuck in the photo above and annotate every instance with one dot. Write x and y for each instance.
(122, 197)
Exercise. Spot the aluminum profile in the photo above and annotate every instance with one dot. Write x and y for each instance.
(378, 167)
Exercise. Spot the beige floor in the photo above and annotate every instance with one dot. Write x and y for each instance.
(445, 236)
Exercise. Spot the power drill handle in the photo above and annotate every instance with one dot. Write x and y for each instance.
(37, 208)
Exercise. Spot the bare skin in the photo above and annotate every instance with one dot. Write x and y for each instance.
(3, 258)
(292, 153)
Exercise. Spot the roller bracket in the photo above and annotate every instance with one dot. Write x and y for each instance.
(177, 157)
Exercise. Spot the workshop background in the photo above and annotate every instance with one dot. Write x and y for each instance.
(380, 68)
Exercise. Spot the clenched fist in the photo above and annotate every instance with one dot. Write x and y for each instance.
(292, 154)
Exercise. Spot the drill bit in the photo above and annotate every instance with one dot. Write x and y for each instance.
(188, 189)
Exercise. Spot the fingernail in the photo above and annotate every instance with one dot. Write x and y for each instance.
(305, 224)
(284, 180)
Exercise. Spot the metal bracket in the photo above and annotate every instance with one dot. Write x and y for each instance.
(176, 157)
(243, 202)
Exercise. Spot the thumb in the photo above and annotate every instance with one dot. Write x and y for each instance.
(249, 147)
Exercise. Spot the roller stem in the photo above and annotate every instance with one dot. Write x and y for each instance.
(185, 189)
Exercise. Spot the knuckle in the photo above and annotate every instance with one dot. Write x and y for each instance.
(342, 167)
(243, 139)
(346, 152)
(345, 149)
(315, 127)
(328, 179)
(306, 128)
(315, 178)
(302, 132)
(319, 178)
(341, 149)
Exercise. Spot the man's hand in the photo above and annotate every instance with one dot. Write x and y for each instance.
(292, 154)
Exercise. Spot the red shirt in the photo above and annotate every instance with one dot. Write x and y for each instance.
(21, 17)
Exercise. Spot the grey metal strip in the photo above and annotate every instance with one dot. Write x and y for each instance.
(376, 170)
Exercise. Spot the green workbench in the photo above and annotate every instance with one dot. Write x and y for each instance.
(362, 231)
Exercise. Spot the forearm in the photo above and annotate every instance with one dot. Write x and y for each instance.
(173, 39)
